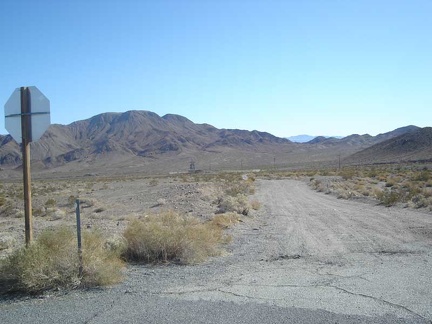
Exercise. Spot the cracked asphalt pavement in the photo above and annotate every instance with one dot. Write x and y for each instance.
(306, 258)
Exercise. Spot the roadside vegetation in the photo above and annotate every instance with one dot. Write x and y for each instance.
(155, 235)
(408, 186)
(52, 262)
(163, 233)
(171, 237)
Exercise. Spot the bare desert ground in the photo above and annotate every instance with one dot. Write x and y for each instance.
(303, 257)
(108, 203)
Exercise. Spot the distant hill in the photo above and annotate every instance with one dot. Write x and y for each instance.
(413, 145)
(365, 140)
(301, 138)
(132, 133)
(307, 138)
(142, 140)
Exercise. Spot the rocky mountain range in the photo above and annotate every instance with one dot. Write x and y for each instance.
(365, 139)
(306, 138)
(134, 133)
(412, 146)
(143, 137)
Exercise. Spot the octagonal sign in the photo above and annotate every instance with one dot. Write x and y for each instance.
(39, 112)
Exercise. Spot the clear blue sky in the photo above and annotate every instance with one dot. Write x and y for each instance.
(319, 67)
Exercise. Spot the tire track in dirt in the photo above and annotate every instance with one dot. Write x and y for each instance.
(304, 258)
(312, 224)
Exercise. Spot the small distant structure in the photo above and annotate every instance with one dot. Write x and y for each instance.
(192, 166)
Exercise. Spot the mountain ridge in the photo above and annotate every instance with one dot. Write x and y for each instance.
(143, 136)
(303, 138)
(135, 132)
(411, 146)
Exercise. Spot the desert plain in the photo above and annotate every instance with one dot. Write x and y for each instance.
(301, 255)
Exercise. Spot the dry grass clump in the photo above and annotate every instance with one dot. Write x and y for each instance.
(52, 262)
(347, 173)
(388, 197)
(234, 197)
(153, 182)
(102, 263)
(318, 185)
(244, 187)
(389, 184)
(170, 236)
(238, 204)
(225, 220)
(6, 242)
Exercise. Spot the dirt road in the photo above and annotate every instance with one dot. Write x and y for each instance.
(355, 258)
(306, 258)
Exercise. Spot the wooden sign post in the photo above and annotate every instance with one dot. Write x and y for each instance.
(27, 117)
(26, 139)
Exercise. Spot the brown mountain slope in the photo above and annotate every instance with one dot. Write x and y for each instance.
(144, 141)
(133, 133)
(9, 151)
(411, 146)
(364, 140)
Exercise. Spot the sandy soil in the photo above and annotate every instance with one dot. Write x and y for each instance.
(306, 258)
(107, 204)
(312, 251)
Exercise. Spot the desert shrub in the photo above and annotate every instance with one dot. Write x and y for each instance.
(229, 177)
(342, 193)
(311, 173)
(424, 175)
(52, 262)
(372, 173)
(239, 204)
(6, 242)
(153, 182)
(324, 172)
(89, 185)
(71, 200)
(38, 212)
(366, 192)
(2, 200)
(314, 182)
(388, 197)
(50, 202)
(347, 174)
(87, 202)
(102, 264)
(226, 220)
(390, 183)
(240, 187)
(251, 177)
(170, 236)
(410, 192)
(318, 185)
(427, 192)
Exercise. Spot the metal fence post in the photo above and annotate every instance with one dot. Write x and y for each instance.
(78, 219)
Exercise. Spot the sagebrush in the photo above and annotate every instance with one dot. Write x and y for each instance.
(52, 262)
(170, 236)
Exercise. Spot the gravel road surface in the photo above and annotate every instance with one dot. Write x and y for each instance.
(305, 258)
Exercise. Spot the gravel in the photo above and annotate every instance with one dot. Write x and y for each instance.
(305, 257)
